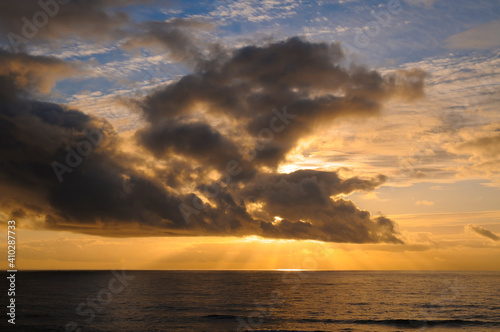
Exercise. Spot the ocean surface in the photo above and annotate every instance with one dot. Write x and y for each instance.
(255, 301)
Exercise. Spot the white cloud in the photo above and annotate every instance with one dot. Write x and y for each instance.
(424, 203)
(253, 10)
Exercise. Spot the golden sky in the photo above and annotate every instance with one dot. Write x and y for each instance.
(339, 136)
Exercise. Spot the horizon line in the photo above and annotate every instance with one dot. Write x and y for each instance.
(241, 270)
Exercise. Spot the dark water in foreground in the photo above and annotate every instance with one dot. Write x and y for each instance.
(260, 301)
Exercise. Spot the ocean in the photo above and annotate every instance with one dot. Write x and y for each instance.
(256, 301)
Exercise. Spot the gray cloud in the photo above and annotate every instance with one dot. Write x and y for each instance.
(243, 87)
(488, 146)
(309, 78)
(34, 74)
(482, 231)
(25, 21)
(179, 36)
(102, 189)
(54, 21)
(305, 197)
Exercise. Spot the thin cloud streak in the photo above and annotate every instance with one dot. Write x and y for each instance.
(482, 231)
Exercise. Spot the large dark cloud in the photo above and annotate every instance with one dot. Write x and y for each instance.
(98, 191)
(243, 88)
(202, 165)
(310, 79)
(304, 200)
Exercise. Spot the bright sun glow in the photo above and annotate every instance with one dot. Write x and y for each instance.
(290, 270)
(255, 238)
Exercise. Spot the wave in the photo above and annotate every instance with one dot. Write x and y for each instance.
(292, 330)
(406, 322)
(438, 305)
(220, 317)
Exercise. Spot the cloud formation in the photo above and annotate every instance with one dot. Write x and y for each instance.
(488, 146)
(35, 134)
(23, 21)
(482, 231)
(35, 74)
(206, 162)
(308, 78)
(179, 36)
(105, 21)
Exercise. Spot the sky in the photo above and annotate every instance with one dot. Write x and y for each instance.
(336, 135)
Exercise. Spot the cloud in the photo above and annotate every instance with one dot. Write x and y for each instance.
(27, 21)
(488, 146)
(201, 165)
(437, 188)
(305, 196)
(180, 36)
(424, 3)
(241, 90)
(244, 87)
(483, 37)
(482, 148)
(35, 134)
(482, 231)
(37, 74)
(424, 203)
(17, 19)
(253, 10)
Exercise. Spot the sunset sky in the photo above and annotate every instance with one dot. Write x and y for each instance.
(358, 135)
